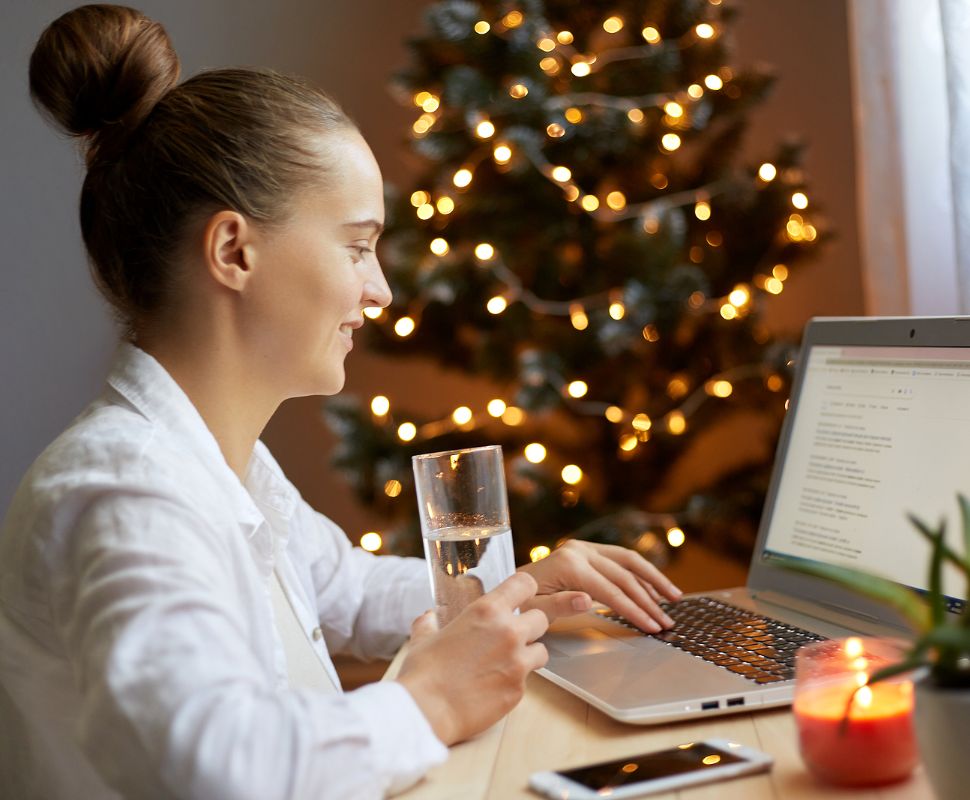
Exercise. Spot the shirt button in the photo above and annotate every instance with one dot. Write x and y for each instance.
(317, 634)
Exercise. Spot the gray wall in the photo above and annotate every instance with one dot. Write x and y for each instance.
(56, 337)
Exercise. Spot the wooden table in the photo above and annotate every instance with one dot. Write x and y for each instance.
(552, 729)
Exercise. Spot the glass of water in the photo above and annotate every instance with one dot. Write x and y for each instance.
(464, 511)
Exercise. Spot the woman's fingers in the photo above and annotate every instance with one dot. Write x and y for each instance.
(561, 604)
(629, 596)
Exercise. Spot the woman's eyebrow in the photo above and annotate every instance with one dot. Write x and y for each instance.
(373, 224)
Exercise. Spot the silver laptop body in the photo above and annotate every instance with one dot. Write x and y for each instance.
(878, 425)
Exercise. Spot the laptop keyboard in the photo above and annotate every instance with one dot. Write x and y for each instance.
(753, 646)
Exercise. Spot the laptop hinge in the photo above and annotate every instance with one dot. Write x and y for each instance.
(816, 608)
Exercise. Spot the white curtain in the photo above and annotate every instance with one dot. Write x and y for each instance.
(955, 24)
(911, 69)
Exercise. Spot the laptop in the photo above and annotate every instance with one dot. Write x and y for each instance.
(878, 425)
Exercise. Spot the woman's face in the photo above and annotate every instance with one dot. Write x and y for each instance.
(317, 272)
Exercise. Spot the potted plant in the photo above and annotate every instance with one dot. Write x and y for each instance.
(939, 648)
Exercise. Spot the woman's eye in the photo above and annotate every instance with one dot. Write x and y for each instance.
(360, 252)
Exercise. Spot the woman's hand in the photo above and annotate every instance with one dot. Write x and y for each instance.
(578, 572)
(472, 672)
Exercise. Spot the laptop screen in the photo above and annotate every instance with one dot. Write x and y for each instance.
(879, 432)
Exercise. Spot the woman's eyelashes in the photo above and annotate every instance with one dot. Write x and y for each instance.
(358, 252)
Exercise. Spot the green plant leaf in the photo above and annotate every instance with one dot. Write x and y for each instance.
(962, 564)
(907, 602)
(911, 662)
(935, 584)
(948, 637)
(965, 517)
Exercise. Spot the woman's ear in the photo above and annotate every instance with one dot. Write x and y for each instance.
(226, 242)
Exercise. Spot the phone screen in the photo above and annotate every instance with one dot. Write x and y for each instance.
(661, 764)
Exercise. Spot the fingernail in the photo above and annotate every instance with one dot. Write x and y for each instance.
(582, 603)
(654, 626)
(668, 621)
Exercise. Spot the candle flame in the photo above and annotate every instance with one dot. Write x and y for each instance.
(853, 647)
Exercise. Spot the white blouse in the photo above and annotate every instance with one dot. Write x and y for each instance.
(138, 651)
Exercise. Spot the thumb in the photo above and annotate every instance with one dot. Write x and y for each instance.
(560, 604)
(424, 626)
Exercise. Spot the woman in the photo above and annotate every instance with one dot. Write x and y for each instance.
(168, 602)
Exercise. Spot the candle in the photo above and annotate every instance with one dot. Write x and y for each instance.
(851, 733)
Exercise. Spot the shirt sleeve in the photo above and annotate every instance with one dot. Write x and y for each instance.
(175, 701)
(366, 602)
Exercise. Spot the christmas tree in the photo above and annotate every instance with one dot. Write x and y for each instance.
(584, 236)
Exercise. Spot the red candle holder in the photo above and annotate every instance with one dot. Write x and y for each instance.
(852, 733)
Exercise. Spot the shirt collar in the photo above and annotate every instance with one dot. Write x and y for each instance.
(154, 393)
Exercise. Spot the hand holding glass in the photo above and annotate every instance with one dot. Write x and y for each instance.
(464, 512)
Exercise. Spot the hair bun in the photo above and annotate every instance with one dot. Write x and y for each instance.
(100, 69)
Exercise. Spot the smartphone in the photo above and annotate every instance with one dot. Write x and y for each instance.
(661, 771)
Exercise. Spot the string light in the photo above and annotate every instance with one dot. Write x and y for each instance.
(404, 327)
(439, 246)
(513, 416)
(719, 388)
(393, 488)
(616, 200)
(421, 97)
(628, 442)
(799, 200)
(670, 141)
(485, 129)
(702, 210)
(713, 82)
(445, 205)
(502, 154)
(650, 333)
(617, 310)
(482, 27)
(728, 311)
(676, 422)
(641, 422)
(675, 537)
(518, 90)
(572, 193)
(430, 104)
(546, 45)
(580, 67)
(696, 91)
(578, 318)
(539, 552)
(462, 415)
(774, 383)
(577, 389)
(513, 19)
(535, 453)
(635, 115)
(561, 174)
(406, 431)
(590, 202)
(496, 305)
(380, 405)
(554, 130)
(780, 271)
(571, 474)
(651, 34)
(767, 172)
(426, 211)
(462, 177)
(704, 30)
(371, 541)
(420, 198)
(373, 312)
(739, 296)
(614, 414)
(673, 109)
(484, 251)
(774, 286)
(549, 65)
(564, 37)
(496, 407)
(573, 115)
(613, 24)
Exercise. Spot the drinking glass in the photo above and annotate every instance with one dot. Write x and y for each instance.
(464, 512)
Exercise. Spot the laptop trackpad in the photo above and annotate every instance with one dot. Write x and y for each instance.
(587, 641)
